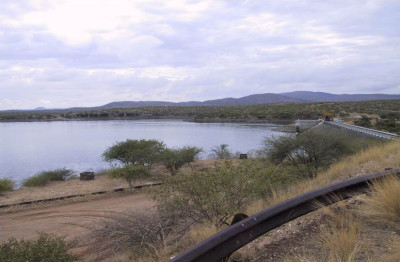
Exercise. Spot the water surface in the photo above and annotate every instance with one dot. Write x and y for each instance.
(30, 147)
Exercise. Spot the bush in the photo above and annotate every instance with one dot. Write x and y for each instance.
(134, 152)
(173, 159)
(6, 185)
(309, 151)
(46, 248)
(364, 121)
(221, 152)
(219, 192)
(140, 232)
(45, 177)
(129, 173)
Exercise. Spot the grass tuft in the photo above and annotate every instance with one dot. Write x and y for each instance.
(383, 205)
(341, 237)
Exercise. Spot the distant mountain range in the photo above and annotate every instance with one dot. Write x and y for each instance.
(267, 98)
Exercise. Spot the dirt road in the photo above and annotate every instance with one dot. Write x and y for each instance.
(69, 220)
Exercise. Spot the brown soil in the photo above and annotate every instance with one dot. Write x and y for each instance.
(101, 183)
(71, 220)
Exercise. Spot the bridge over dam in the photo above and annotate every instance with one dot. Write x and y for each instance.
(331, 126)
(362, 130)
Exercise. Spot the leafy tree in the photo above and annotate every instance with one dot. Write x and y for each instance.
(130, 173)
(134, 152)
(173, 159)
(308, 151)
(221, 152)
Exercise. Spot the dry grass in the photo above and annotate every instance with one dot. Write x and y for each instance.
(393, 254)
(341, 237)
(201, 232)
(383, 205)
(371, 160)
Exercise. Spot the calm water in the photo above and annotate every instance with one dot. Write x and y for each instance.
(28, 148)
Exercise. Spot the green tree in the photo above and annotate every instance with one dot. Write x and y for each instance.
(174, 159)
(221, 152)
(308, 151)
(134, 152)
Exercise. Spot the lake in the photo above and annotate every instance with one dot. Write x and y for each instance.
(27, 148)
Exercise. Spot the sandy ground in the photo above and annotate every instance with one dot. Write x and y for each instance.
(101, 183)
(71, 220)
(63, 188)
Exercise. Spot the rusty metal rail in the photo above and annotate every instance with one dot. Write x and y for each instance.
(121, 189)
(236, 236)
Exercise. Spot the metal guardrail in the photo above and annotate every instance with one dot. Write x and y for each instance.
(364, 130)
(121, 189)
(224, 243)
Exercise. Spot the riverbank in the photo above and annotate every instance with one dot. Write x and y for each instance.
(102, 182)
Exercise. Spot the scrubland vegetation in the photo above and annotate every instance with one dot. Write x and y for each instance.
(384, 114)
(192, 204)
(45, 248)
(197, 204)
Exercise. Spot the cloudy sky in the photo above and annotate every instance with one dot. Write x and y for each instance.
(58, 53)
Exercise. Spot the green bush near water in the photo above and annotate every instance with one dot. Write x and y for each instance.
(174, 159)
(6, 185)
(43, 178)
(130, 173)
(46, 248)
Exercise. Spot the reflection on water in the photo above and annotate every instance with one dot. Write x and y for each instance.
(30, 147)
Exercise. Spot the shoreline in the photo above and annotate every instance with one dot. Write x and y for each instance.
(208, 120)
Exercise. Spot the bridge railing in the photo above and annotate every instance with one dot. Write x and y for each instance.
(364, 130)
(224, 243)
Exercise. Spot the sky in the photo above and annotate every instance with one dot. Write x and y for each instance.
(58, 54)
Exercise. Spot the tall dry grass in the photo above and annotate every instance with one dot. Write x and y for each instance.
(341, 238)
(373, 159)
(383, 204)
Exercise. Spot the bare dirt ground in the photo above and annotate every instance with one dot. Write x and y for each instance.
(102, 182)
(71, 220)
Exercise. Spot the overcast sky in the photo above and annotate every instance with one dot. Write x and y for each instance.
(68, 53)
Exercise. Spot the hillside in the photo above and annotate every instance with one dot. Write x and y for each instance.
(256, 99)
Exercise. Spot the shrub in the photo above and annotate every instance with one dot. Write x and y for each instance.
(129, 173)
(217, 193)
(140, 232)
(134, 152)
(46, 248)
(173, 159)
(309, 151)
(221, 152)
(45, 177)
(6, 185)
(364, 121)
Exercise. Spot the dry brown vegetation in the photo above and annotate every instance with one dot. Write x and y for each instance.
(338, 235)
(350, 231)
(364, 229)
